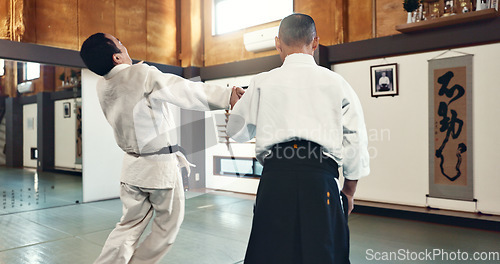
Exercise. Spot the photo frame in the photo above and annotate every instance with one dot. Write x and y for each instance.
(384, 80)
(67, 110)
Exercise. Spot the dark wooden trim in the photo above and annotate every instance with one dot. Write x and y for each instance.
(66, 171)
(54, 96)
(14, 132)
(456, 19)
(321, 56)
(240, 68)
(21, 51)
(475, 33)
(37, 53)
(191, 72)
(45, 132)
(68, 94)
(23, 100)
(429, 217)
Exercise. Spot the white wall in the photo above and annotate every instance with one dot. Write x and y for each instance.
(102, 158)
(65, 135)
(398, 130)
(29, 134)
(228, 183)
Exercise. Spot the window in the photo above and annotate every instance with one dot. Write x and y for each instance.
(2, 67)
(237, 166)
(32, 71)
(27, 71)
(232, 15)
(34, 153)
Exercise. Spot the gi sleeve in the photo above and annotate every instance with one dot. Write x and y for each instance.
(243, 119)
(355, 157)
(186, 94)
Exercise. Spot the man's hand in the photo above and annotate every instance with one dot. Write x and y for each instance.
(236, 94)
(350, 203)
(349, 189)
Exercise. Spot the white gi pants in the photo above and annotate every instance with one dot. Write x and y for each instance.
(138, 206)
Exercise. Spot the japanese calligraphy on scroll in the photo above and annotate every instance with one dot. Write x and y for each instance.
(450, 133)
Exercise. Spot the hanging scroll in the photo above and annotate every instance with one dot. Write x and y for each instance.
(450, 128)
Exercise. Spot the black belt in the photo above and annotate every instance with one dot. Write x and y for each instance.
(300, 152)
(164, 150)
(296, 146)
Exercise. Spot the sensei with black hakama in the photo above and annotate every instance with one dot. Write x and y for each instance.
(309, 125)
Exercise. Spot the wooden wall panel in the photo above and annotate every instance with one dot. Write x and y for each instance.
(162, 32)
(327, 15)
(57, 23)
(94, 17)
(29, 21)
(5, 15)
(389, 14)
(360, 20)
(131, 26)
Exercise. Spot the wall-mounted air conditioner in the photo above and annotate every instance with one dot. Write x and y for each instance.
(260, 40)
(25, 87)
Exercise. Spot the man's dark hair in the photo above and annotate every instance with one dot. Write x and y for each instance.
(297, 29)
(97, 53)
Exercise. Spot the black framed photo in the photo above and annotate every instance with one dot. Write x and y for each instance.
(384, 80)
(67, 110)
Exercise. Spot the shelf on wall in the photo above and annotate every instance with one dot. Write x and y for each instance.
(448, 20)
(68, 86)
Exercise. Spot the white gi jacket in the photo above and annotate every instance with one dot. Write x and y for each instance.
(135, 100)
(301, 100)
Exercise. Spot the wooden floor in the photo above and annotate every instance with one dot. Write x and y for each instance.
(216, 229)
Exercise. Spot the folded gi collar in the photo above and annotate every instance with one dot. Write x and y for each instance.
(299, 58)
(115, 70)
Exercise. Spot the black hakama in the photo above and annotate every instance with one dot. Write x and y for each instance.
(298, 214)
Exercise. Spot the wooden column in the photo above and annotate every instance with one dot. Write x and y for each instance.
(191, 22)
(45, 132)
(359, 20)
(14, 132)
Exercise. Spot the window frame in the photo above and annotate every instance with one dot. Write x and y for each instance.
(214, 31)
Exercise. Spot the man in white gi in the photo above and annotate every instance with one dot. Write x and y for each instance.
(308, 122)
(136, 100)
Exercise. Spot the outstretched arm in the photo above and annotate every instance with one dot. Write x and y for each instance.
(185, 93)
